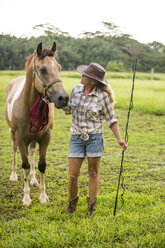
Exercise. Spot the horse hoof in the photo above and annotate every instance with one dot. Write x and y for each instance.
(34, 184)
(44, 199)
(26, 201)
(14, 177)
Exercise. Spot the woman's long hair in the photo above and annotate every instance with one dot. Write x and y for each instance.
(108, 89)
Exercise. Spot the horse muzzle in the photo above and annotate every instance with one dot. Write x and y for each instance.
(60, 100)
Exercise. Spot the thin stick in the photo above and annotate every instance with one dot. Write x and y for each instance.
(126, 139)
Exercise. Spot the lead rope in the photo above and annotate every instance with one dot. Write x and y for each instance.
(126, 139)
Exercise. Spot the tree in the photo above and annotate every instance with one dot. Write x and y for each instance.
(156, 46)
(109, 48)
(50, 30)
(115, 66)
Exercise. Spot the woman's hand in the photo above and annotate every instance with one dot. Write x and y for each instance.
(123, 144)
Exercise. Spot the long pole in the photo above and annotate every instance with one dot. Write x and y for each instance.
(126, 139)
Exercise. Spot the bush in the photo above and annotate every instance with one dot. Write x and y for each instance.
(115, 66)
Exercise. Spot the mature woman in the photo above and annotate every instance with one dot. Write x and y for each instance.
(89, 105)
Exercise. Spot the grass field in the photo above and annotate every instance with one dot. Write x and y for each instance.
(141, 221)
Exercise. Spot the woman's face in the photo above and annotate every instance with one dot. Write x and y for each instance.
(87, 81)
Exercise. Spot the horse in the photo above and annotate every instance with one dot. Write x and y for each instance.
(41, 82)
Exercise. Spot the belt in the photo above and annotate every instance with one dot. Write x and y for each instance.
(84, 136)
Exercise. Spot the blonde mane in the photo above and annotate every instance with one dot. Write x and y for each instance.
(28, 62)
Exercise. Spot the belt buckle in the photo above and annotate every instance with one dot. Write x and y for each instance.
(84, 136)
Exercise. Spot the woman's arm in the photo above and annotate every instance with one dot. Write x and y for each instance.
(116, 132)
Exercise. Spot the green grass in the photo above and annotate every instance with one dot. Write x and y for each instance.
(148, 95)
(141, 221)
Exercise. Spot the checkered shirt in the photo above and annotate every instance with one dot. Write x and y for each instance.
(88, 112)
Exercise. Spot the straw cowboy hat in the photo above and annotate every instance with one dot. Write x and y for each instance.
(93, 70)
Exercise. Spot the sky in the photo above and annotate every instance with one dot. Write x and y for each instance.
(143, 19)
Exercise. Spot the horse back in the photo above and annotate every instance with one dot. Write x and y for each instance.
(12, 87)
(13, 92)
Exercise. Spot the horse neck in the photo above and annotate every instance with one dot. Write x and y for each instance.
(30, 93)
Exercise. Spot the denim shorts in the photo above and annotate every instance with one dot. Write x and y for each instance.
(93, 147)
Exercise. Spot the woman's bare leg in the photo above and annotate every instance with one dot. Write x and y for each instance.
(74, 172)
(93, 170)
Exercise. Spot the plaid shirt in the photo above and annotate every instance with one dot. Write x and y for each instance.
(89, 112)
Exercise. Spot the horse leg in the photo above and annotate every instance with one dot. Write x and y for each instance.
(13, 176)
(33, 181)
(42, 166)
(26, 171)
(26, 168)
(43, 196)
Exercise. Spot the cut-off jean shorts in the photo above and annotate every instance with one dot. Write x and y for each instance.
(93, 147)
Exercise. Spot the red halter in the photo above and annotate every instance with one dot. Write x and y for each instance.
(38, 116)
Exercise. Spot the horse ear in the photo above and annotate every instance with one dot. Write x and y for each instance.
(54, 47)
(39, 49)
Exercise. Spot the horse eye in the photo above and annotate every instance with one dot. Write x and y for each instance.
(43, 70)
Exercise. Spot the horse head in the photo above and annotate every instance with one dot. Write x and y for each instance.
(46, 75)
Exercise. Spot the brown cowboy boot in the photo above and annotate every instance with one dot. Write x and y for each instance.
(72, 206)
(91, 205)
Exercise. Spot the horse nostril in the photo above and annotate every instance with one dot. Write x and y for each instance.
(60, 99)
(63, 100)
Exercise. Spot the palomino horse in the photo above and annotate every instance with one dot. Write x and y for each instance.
(42, 78)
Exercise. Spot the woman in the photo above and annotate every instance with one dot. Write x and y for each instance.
(89, 105)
